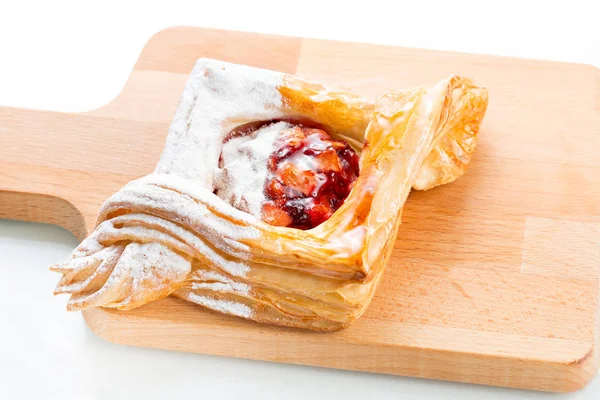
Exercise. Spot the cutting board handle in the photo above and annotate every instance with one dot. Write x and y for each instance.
(26, 193)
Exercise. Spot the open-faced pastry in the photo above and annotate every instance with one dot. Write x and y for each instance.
(276, 199)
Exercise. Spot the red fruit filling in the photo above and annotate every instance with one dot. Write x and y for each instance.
(310, 176)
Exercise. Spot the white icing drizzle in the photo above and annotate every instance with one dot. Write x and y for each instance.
(241, 180)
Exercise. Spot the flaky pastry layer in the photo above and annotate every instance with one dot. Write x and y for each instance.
(169, 234)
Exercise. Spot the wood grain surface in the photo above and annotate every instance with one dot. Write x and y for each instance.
(494, 279)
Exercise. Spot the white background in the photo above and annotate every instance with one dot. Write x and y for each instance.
(76, 55)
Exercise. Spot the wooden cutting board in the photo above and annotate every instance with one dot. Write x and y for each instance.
(494, 279)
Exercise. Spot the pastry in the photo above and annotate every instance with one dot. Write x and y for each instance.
(276, 199)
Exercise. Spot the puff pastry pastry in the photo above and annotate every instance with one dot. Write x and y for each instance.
(170, 234)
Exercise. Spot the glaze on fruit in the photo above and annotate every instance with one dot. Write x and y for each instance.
(311, 175)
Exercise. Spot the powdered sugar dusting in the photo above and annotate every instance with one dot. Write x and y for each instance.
(151, 263)
(149, 267)
(143, 272)
(219, 282)
(218, 98)
(182, 205)
(151, 228)
(224, 306)
(241, 180)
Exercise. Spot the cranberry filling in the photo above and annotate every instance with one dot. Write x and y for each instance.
(311, 175)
